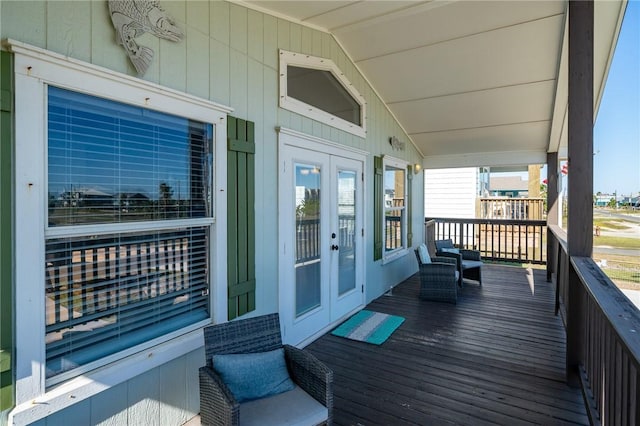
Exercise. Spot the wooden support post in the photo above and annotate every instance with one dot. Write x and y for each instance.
(552, 209)
(580, 177)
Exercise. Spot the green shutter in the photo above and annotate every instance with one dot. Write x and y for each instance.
(241, 281)
(378, 207)
(409, 206)
(6, 219)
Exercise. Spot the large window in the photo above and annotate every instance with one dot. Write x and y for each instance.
(109, 288)
(119, 262)
(316, 88)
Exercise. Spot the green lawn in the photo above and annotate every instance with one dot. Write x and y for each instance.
(617, 242)
(610, 223)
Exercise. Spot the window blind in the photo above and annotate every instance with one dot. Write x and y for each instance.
(110, 162)
(107, 290)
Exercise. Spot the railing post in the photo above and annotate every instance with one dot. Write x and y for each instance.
(580, 185)
(552, 209)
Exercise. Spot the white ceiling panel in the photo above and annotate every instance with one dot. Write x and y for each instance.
(491, 139)
(299, 10)
(468, 81)
(436, 22)
(508, 56)
(359, 12)
(506, 105)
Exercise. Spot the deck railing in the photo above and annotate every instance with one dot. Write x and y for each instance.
(608, 341)
(522, 241)
(511, 208)
(308, 237)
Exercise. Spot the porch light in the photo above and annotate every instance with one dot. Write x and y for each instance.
(417, 168)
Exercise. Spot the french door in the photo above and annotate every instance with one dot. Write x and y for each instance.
(321, 242)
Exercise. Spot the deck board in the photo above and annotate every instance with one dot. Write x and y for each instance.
(497, 357)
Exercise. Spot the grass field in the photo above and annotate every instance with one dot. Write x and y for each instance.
(617, 242)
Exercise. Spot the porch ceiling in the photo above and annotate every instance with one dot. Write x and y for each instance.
(472, 82)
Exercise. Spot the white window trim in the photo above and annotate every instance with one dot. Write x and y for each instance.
(302, 108)
(34, 69)
(390, 256)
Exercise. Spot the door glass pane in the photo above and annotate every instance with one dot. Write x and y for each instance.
(308, 262)
(346, 231)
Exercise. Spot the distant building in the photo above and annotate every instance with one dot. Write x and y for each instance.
(508, 186)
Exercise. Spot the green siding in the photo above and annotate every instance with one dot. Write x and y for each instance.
(6, 218)
(213, 47)
(409, 206)
(378, 211)
(240, 217)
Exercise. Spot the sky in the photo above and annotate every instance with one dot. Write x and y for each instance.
(616, 136)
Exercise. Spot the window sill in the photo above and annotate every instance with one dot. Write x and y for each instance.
(394, 255)
(93, 383)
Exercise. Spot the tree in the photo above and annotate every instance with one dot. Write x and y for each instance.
(166, 195)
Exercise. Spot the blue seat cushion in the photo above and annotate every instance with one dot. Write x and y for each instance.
(470, 264)
(254, 375)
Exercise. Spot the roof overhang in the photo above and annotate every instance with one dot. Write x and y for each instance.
(472, 83)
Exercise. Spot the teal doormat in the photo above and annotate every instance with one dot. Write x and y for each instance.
(368, 326)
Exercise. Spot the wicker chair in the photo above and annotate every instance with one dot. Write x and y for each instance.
(438, 279)
(469, 261)
(259, 334)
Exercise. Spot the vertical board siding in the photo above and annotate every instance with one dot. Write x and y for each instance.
(198, 16)
(219, 21)
(409, 205)
(219, 71)
(229, 55)
(270, 44)
(255, 34)
(69, 29)
(112, 413)
(30, 27)
(198, 52)
(238, 77)
(6, 221)
(238, 28)
(105, 51)
(144, 398)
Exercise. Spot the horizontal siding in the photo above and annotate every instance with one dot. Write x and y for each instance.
(450, 192)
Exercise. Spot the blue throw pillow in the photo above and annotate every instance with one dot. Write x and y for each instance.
(451, 250)
(253, 376)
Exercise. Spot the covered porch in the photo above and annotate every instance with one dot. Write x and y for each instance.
(497, 357)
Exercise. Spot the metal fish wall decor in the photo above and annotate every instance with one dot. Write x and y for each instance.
(132, 18)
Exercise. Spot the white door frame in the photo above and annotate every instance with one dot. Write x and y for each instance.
(292, 139)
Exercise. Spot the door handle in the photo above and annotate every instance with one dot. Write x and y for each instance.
(334, 247)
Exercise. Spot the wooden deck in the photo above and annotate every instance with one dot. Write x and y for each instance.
(497, 357)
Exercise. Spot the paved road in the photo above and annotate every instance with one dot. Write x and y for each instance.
(607, 213)
(618, 251)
